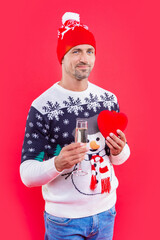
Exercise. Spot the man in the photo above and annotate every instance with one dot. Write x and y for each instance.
(76, 207)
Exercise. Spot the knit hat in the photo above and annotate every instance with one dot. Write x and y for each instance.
(72, 33)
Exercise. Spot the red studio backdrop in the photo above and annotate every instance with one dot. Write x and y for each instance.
(127, 64)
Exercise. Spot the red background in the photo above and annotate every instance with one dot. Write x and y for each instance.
(127, 63)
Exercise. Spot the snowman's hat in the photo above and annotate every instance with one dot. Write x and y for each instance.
(92, 125)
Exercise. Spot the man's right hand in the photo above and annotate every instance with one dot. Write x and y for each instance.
(70, 155)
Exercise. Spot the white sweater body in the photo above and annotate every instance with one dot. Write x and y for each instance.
(49, 128)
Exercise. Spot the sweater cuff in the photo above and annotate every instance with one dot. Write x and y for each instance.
(122, 157)
(34, 173)
(52, 171)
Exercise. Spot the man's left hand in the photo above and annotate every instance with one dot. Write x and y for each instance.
(116, 144)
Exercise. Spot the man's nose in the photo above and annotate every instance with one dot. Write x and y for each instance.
(84, 58)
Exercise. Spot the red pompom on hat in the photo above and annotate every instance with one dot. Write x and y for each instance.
(72, 33)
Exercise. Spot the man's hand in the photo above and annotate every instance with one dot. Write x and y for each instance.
(70, 155)
(116, 144)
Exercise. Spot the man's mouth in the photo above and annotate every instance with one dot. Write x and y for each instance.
(83, 66)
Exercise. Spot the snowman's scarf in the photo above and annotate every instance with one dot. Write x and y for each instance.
(103, 169)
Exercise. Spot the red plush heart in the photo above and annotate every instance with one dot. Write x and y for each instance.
(110, 121)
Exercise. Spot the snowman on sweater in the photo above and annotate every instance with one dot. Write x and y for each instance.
(96, 163)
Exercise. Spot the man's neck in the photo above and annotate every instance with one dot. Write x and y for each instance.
(74, 84)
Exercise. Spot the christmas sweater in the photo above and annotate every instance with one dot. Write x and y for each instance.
(50, 126)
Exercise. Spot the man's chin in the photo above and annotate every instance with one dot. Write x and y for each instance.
(81, 76)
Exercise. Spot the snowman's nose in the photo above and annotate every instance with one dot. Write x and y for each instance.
(94, 145)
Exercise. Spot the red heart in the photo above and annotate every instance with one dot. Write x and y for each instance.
(110, 121)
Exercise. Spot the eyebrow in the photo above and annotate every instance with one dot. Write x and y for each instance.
(79, 49)
(90, 49)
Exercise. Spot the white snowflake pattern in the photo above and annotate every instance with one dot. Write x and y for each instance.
(35, 135)
(47, 137)
(86, 114)
(31, 149)
(109, 105)
(65, 134)
(24, 157)
(66, 121)
(92, 102)
(46, 126)
(56, 129)
(44, 130)
(27, 135)
(39, 124)
(73, 106)
(31, 124)
(94, 106)
(56, 136)
(55, 114)
(47, 147)
(29, 142)
(108, 100)
(53, 111)
(38, 117)
(52, 140)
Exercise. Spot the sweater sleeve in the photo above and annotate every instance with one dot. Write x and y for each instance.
(34, 173)
(122, 157)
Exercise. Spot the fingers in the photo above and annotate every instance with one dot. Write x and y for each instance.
(75, 149)
(120, 140)
(70, 155)
(121, 135)
(78, 159)
(116, 144)
(63, 161)
(73, 146)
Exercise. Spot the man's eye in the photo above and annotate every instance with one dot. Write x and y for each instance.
(76, 51)
(90, 52)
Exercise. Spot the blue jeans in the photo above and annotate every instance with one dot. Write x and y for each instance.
(99, 226)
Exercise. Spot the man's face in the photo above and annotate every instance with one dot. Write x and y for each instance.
(79, 61)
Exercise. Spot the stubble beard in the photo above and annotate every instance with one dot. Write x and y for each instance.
(82, 74)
